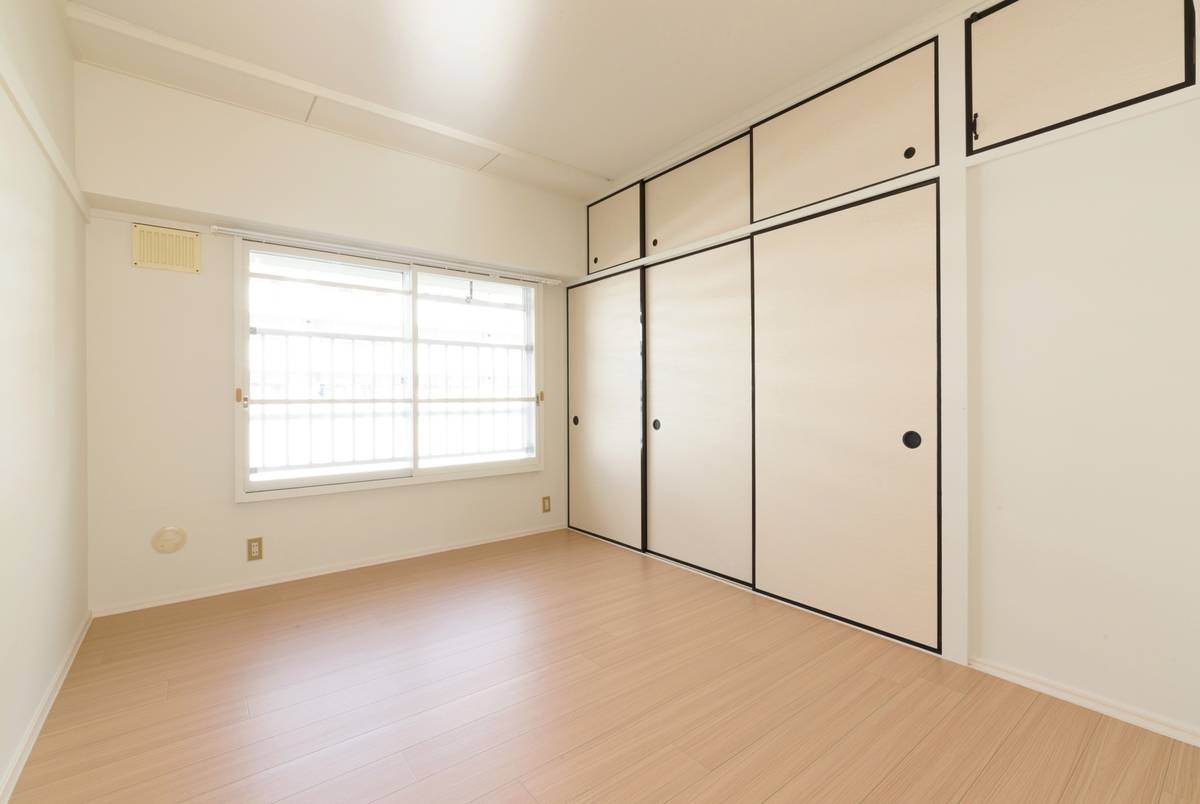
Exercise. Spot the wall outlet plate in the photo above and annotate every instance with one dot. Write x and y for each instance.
(545, 505)
(254, 548)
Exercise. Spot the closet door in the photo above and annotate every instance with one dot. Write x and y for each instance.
(846, 390)
(705, 196)
(876, 126)
(1034, 65)
(615, 229)
(698, 383)
(604, 409)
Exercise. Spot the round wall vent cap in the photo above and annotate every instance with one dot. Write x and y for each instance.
(169, 539)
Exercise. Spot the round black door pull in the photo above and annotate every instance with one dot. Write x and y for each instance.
(657, 424)
(654, 242)
(910, 152)
(912, 439)
(595, 260)
(574, 420)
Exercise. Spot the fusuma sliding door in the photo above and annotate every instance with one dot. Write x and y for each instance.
(846, 391)
(698, 383)
(604, 379)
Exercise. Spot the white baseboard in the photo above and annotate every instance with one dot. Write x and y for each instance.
(1105, 706)
(222, 589)
(13, 772)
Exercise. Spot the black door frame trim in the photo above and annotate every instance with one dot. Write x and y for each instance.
(748, 584)
(605, 538)
(937, 127)
(1189, 79)
(645, 412)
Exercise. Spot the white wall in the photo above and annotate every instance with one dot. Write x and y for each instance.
(1084, 400)
(161, 344)
(149, 144)
(43, 547)
(34, 39)
(160, 451)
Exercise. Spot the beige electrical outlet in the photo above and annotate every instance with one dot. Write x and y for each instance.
(545, 505)
(254, 549)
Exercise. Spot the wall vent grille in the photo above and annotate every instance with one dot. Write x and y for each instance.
(166, 249)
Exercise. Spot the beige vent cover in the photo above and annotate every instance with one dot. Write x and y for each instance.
(167, 249)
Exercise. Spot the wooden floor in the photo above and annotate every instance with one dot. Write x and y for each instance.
(556, 668)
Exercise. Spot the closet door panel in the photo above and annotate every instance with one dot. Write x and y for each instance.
(875, 127)
(698, 382)
(1036, 64)
(704, 197)
(604, 376)
(846, 366)
(615, 229)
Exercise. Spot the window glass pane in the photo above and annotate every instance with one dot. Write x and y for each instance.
(475, 364)
(330, 359)
(455, 433)
(473, 311)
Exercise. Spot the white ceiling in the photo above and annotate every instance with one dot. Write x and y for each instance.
(601, 87)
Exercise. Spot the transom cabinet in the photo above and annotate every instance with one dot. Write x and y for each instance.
(1034, 66)
(615, 229)
(876, 126)
(706, 195)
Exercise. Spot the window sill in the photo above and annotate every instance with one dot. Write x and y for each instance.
(245, 493)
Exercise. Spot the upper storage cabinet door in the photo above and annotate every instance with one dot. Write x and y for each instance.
(876, 126)
(615, 229)
(1034, 65)
(705, 196)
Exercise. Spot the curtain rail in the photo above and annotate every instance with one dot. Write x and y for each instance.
(452, 266)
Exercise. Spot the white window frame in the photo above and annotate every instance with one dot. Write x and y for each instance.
(246, 491)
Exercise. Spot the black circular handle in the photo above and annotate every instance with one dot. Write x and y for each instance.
(654, 242)
(911, 439)
(656, 424)
(910, 152)
(575, 420)
(595, 260)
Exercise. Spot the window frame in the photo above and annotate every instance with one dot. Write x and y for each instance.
(247, 491)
